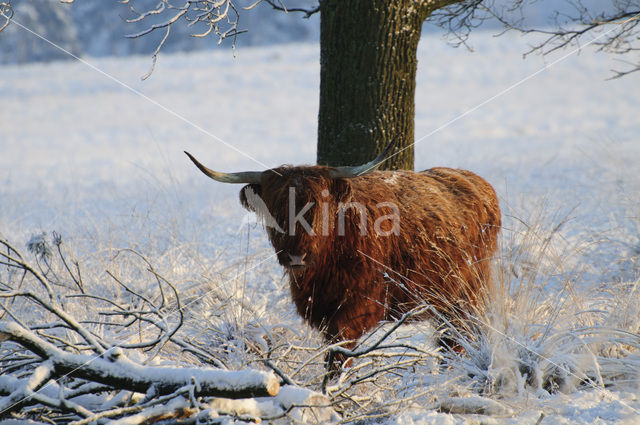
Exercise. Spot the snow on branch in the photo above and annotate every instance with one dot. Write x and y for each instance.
(55, 356)
(116, 370)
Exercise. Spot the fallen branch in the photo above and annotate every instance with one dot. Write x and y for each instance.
(116, 370)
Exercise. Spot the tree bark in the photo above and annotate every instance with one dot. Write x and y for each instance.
(367, 79)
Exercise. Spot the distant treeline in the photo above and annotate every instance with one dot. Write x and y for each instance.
(98, 28)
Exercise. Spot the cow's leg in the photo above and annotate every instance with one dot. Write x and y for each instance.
(349, 324)
(454, 331)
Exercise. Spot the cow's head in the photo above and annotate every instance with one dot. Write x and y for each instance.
(298, 205)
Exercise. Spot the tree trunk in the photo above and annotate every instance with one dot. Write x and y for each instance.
(367, 80)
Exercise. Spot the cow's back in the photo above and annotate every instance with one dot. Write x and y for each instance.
(449, 222)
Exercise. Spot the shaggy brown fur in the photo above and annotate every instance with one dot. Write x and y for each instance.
(448, 225)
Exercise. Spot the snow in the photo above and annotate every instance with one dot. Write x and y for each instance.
(10, 383)
(177, 404)
(474, 405)
(104, 167)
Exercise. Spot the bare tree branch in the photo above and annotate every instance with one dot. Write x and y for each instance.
(279, 5)
(218, 17)
(6, 12)
(612, 26)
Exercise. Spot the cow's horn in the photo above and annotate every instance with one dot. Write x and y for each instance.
(242, 177)
(360, 170)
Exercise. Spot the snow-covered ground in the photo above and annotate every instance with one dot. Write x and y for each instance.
(100, 161)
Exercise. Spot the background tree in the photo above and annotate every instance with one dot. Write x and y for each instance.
(368, 58)
(368, 65)
(368, 53)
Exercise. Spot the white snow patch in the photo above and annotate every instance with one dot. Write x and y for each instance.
(392, 179)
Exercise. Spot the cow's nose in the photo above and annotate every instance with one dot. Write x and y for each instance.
(296, 261)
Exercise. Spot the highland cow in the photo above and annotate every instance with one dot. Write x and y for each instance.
(362, 246)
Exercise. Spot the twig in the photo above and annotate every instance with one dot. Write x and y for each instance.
(281, 7)
(6, 11)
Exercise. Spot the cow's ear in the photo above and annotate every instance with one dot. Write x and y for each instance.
(341, 190)
(248, 194)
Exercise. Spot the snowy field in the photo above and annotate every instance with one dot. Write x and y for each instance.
(102, 165)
